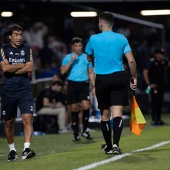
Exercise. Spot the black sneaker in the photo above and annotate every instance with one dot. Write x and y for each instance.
(117, 150)
(86, 135)
(154, 123)
(28, 153)
(12, 156)
(104, 149)
(76, 138)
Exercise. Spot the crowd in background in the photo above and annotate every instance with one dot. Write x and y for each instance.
(49, 47)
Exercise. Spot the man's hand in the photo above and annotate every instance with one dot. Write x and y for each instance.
(6, 61)
(74, 56)
(59, 104)
(133, 83)
(153, 86)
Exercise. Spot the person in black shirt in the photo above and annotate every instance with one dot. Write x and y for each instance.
(51, 101)
(17, 62)
(154, 77)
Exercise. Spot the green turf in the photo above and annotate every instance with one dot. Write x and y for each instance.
(59, 152)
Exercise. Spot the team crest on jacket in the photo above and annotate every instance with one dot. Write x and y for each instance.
(22, 52)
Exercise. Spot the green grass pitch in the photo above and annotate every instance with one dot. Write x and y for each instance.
(59, 152)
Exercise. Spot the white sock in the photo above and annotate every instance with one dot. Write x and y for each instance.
(11, 147)
(114, 145)
(26, 145)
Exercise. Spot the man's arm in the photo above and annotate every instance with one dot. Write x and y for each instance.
(6, 67)
(146, 77)
(65, 68)
(90, 58)
(132, 67)
(47, 103)
(92, 80)
(26, 69)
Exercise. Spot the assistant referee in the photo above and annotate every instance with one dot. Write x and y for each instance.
(107, 49)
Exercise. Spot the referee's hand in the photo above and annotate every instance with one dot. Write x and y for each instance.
(74, 56)
(133, 83)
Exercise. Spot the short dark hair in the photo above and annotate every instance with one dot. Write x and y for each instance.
(76, 40)
(108, 17)
(12, 28)
(59, 83)
(159, 50)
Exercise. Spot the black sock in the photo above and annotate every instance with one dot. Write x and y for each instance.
(85, 119)
(75, 122)
(106, 130)
(117, 129)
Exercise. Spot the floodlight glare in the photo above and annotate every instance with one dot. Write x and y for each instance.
(83, 14)
(155, 12)
(6, 14)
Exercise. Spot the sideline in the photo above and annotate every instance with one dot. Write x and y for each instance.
(93, 165)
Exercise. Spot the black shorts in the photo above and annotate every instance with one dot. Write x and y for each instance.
(13, 99)
(78, 91)
(111, 90)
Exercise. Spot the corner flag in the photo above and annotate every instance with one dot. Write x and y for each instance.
(137, 121)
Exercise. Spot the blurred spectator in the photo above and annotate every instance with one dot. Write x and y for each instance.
(124, 29)
(49, 72)
(50, 102)
(58, 47)
(154, 78)
(37, 34)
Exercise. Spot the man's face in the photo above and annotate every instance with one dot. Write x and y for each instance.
(16, 38)
(77, 48)
(57, 88)
(159, 56)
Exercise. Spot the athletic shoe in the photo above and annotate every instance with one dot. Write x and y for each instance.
(104, 149)
(117, 150)
(86, 135)
(28, 153)
(154, 123)
(12, 156)
(76, 137)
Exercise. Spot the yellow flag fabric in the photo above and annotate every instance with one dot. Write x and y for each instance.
(137, 121)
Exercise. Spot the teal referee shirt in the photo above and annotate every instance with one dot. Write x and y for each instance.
(79, 68)
(108, 49)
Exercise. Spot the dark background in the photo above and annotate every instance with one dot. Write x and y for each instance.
(54, 12)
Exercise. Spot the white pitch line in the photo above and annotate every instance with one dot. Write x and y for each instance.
(93, 165)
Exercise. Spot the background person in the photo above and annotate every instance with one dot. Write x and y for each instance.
(79, 71)
(16, 62)
(50, 102)
(153, 74)
(108, 49)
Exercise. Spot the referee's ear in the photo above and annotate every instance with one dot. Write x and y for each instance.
(90, 58)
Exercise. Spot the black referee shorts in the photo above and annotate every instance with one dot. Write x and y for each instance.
(111, 90)
(78, 91)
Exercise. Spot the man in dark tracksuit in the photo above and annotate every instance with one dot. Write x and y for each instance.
(154, 77)
(16, 62)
